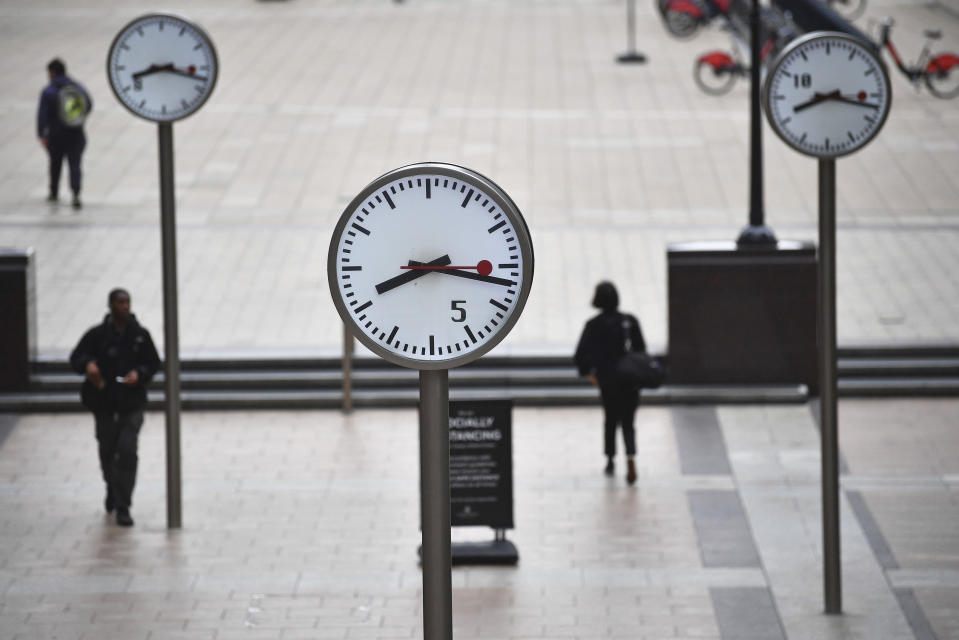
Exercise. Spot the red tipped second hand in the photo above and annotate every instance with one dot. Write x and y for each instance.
(483, 267)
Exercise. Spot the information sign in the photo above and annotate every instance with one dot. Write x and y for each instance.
(481, 464)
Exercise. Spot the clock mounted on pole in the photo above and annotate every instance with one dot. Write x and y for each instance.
(162, 68)
(430, 267)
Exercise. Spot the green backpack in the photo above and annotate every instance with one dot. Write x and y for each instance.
(72, 106)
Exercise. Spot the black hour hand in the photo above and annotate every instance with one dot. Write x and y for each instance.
(409, 276)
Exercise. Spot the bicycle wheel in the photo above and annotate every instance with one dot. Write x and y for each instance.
(680, 23)
(712, 77)
(942, 75)
(848, 9)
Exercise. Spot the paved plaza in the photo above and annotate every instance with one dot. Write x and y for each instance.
(305, 525)
(609, 163)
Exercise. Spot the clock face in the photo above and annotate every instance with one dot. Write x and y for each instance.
(827, 95)
(162, 67)
(430, 265)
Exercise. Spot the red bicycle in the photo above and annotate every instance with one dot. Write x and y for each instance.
(940, 71)
(683, 18)
(715, 72)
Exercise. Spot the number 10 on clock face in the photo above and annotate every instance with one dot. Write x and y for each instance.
(430, 265)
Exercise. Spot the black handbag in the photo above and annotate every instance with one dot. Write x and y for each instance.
(638, 368)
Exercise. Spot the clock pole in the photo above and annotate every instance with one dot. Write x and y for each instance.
(435, 504)
(828, 399)
(171, 339)
(757, 233)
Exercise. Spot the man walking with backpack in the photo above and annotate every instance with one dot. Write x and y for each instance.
(64, 105)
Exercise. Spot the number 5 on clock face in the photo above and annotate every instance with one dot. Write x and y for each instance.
(430, 265)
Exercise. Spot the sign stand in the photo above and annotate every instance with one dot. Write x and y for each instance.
(631, 56)
(481, 479)
(171, 338)
(435, 504)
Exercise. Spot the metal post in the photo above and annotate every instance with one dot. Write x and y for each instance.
(171, 339)
(435, 505)
(832, 577)
(757, 232)
(631, 54)
(347, 370)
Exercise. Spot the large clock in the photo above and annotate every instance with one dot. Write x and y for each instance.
(827, 94)
(162, 67)
(430, 265)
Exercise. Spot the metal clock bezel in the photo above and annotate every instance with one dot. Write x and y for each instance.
(203, 36)
(506, 205)
(803, 41)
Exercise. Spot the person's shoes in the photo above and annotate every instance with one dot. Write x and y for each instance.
(630, 471)
(53, 197)
(123, 517)
(109, 503)
(610, 468)
(76, 204)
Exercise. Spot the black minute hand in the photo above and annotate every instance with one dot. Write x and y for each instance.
(409, 276)
(464, 274)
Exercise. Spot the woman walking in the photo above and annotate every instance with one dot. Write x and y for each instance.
(605, 339)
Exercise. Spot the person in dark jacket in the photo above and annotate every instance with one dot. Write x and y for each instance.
(605, 338)
(118, 359)
(63, 139)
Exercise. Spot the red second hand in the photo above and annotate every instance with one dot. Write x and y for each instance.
(484, 267)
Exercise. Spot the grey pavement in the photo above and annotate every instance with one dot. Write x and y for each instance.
(304, 524)
(609, 164)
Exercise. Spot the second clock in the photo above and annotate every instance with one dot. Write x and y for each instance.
(162, 67)
(431, 265)
(827, 94)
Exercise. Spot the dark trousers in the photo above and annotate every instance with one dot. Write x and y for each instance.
(619, 408)
(69, 145)
(117, 435)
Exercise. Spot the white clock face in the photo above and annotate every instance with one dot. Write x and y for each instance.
(827, 95)
(431, 265)
(162, 67)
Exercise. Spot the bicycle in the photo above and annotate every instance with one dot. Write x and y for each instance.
(683, 18)
(848, 9)
(715, 72)
(939, 71)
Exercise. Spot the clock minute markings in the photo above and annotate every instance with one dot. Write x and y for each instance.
(466, 200)
(498, 304)
(389, 200)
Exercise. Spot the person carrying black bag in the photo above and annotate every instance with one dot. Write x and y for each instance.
(605, 339)
(119, 359)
